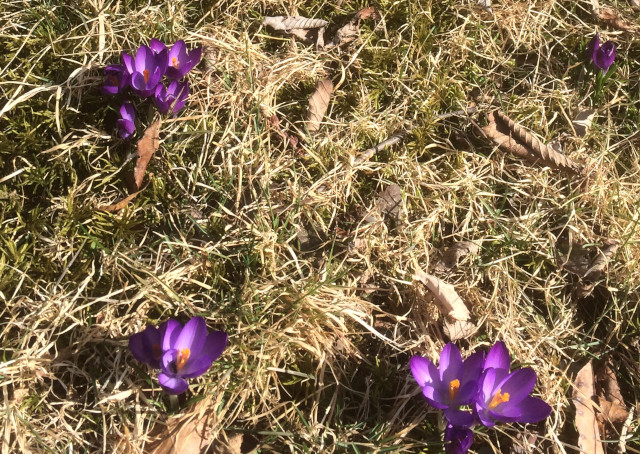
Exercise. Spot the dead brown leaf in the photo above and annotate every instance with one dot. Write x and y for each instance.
(318, 104)
(635, 4)
(351, 30)
(613, 19)
(147, 146)
(459, 329)
(446, 298)
(583, 393)
(308, 30)
(390, 201)
(582, 121)
(120, 204)
(589, 265)
(190, 433)
(287, 138)
(512, 137)
(613, 411)
(454, 253)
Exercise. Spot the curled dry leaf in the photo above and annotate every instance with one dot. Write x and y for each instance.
(589, 265)
(318, 104)
(512, 137)
(583, 392)
(485, 5)
(613, 411)
(447, 300)
(191, 433)
(459, 329)
(351, 30)
(121, 204)
(582, 121)
(147, 146)
(613, 19)
(454, 253)
(288, 23)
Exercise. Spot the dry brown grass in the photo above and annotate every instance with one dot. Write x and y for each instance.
(320, 332)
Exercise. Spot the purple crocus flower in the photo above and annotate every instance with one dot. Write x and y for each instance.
(458, 440)
(116, 79)
(180, 61)
(157, 46)
(126, 125)
(453, 385)
(146, 69)
(172, 98)
(146, 346)
(504, 396)
(188, 352)
(601, 56)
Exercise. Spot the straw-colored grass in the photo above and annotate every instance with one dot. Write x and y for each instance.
(321, 331)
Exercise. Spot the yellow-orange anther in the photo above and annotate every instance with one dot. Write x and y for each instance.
(454, 385)
(175, 62)
(498, 398)
(183, 357)
(113, 79)
(145, 73)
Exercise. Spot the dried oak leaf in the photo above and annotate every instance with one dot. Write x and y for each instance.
(512, 137)
(612, 18)
(147, 146)
(120, 204)
(613, 411)
(459, 329)
(318, 104)
(583, 393)
(308, 30)
(446, 298)
(351, 30)
(589, 266)
(582, 121)
(454, 253)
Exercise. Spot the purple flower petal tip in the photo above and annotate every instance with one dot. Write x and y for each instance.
(458, 439)
(602, 56)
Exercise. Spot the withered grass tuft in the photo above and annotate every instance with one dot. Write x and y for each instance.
(269, 242)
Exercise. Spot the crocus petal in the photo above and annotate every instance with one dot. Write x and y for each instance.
(156, 45)
(450, 363)
(498, 357)
(160, 99)
(472, 367)
(129, 63)
(172, 331)
(518, 385)
(533, 410)
(192, 336)
(125, 128)
(127, 111)
(424, 371)
(506, 413)
(196, 366)
(145, 59)
(466, 393)
(490, 379)
(141, 346)
(459, 417)
(459, 439)
(433, 397)
(603, 58)
(215, 344)
(168, 362)
(173, 385)
(483, 416)
(137, 82)
(594, 45)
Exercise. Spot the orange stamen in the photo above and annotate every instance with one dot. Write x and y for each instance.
(175, 62)
(183, 357)
(498, 398)
(157, 351)
(454, 385)
(145, 73)
(113, 80)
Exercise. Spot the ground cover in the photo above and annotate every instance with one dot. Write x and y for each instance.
(299, 246)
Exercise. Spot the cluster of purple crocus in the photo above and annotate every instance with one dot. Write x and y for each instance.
(143, 73)
(477, 390)
(180, 352)
(601, 56)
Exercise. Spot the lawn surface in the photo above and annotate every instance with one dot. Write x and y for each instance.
(281, 244)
